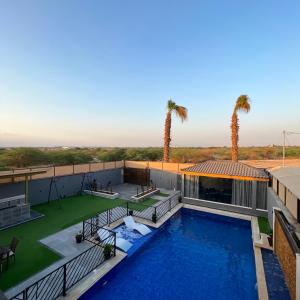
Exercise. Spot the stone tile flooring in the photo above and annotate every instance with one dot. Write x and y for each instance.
(63, 242)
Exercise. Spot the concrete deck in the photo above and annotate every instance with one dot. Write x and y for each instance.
(64, 243)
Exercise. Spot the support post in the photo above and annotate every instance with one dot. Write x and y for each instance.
(26, 190)
(283, 149)
(83, 229)
(115, 240)
(297, 276)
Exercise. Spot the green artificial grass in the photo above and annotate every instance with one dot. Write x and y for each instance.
(162, 194)
(31, 256)
(264, 226)
(140, 206)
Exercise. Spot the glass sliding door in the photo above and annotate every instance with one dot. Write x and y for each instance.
(208, 188)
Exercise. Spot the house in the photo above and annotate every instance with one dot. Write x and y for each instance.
(226, 185)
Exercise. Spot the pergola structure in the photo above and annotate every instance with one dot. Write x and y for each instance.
(22, 173)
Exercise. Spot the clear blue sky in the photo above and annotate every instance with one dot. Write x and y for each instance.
(99, 73)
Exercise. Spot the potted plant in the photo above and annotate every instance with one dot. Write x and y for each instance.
(154, 218)
(107, 251)
(79, 237)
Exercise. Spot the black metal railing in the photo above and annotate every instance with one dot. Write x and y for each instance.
(59, 281)
(146, 212)
(141, 211)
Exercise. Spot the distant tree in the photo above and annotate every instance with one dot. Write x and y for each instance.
(181, 112)
(111, 154)
(69, 157)
(23, 157)
(242, 105)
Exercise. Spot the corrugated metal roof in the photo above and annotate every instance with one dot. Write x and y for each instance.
(226, 168)
(289, 177)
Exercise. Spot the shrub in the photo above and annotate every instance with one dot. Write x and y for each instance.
(154, 217)
(107, 251)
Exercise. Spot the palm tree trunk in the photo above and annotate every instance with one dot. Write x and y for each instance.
(167, 139)
(234, 136)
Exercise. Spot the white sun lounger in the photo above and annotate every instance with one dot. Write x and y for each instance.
(131, 224)
(120, 242)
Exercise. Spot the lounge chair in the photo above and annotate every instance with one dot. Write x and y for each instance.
(120, 242)
(132, 225)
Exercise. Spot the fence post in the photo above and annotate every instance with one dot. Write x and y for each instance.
(92, 226)
(83, 229)
(127, 204)
(115, 239)
(65, 281)
(108, 217)
(73, 169)
(170, 204)
(25, 294)
(155, 214)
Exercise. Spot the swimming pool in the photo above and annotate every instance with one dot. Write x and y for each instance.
(194, 255)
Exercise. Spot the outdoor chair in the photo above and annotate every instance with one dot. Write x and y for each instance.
(4, 257)
(2, 261)
(132, 225)
(121, 243)
(12, 248)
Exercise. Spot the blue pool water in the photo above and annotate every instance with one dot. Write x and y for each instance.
(194, 255)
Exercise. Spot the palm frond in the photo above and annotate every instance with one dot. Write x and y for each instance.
(181, 112)
(171, 105)
(242, 104)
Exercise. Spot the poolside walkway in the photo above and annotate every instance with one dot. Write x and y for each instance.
(63, 242)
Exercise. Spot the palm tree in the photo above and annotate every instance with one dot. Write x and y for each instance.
(181, 112)
(242, 105)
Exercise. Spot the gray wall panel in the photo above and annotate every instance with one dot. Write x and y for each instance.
(167, 180)
(66, 185)
(273, 201)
